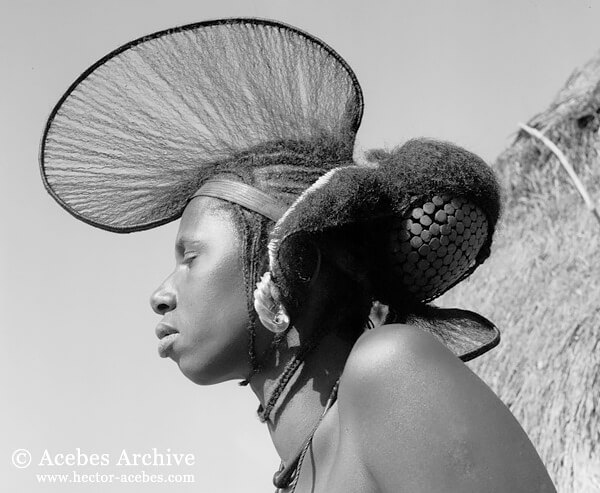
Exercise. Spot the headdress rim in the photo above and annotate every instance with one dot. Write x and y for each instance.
(131, 44)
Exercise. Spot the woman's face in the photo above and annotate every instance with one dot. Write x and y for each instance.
(203, 301)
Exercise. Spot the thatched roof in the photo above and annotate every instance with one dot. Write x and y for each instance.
(571, 121)
(541, 286)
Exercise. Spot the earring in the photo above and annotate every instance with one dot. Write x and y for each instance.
(280, 322)
(271, 312)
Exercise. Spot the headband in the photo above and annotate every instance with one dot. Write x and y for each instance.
(245, 195)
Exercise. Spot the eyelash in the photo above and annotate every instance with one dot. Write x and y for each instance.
(188, 257)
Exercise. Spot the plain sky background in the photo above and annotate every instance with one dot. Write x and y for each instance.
(79, 364)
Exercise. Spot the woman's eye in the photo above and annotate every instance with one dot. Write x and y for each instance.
(188, 257)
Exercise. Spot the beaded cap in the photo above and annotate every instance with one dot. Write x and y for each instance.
(433, 246)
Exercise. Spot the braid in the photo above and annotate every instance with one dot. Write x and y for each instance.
(289, 371)
(244, 230)
(343, 286)
(259, 362)
(254, 230)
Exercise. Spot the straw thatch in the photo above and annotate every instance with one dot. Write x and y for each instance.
(541, 286)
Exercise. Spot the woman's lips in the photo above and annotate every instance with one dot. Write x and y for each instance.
(165, 344)
(167, 336)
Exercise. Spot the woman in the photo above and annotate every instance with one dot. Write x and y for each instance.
(245, 129)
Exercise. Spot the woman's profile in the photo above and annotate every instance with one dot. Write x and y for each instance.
(304, 275)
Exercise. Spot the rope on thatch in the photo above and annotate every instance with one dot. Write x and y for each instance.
(572, 122)
(565, 163)
(540, 287)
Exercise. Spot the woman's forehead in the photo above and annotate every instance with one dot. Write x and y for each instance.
(203, 216)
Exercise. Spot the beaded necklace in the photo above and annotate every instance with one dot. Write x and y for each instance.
(289, 475)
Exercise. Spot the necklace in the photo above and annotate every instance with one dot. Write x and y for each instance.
(297, 361)
(289, 475)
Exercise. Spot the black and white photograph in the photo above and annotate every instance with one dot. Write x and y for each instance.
(300, 247)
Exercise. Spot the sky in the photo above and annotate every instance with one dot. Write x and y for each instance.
(80, 369)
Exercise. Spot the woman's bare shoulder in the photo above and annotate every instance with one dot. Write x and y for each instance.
(420, 419)
(388, 355)
(401, 366)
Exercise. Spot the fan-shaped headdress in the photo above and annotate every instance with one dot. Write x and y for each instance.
(265, 116)
(138, 133)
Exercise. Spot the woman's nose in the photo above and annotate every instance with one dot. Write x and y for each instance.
(163, 300)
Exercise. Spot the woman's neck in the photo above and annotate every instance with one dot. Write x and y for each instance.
(304, 398)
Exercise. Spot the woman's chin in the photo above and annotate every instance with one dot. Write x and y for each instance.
(203, 374)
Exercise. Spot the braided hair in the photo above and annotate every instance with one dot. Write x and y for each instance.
(344, 293)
